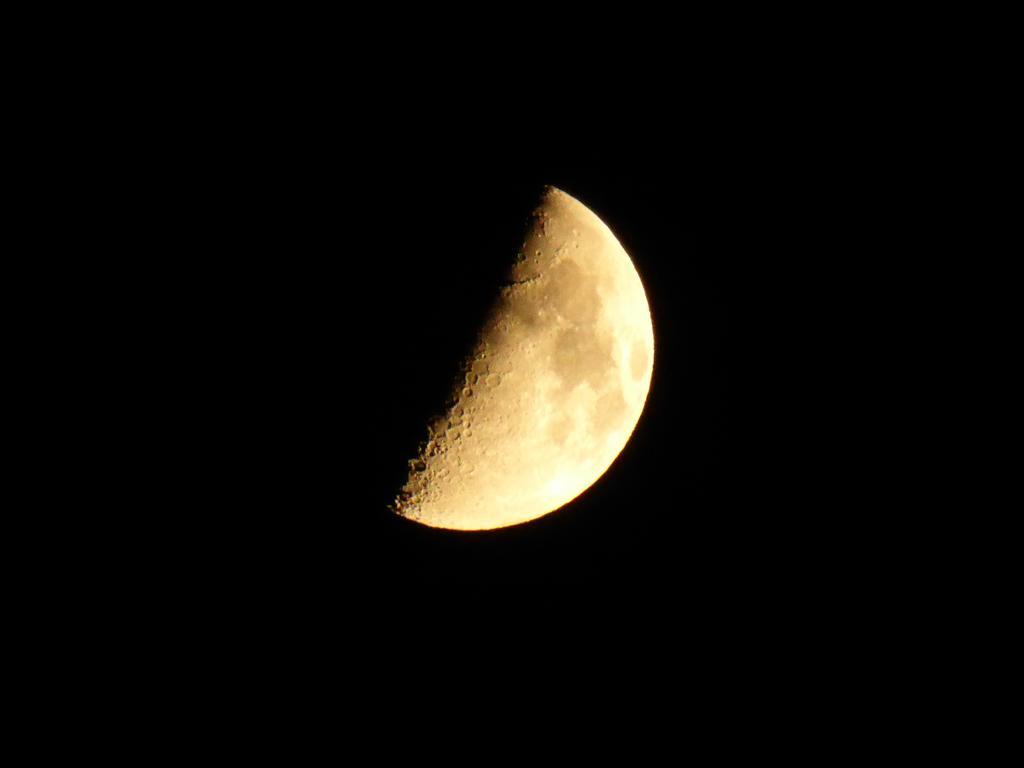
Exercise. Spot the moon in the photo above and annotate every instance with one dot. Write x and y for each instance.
(553, 388)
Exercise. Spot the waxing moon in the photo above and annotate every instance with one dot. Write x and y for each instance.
(553, 388)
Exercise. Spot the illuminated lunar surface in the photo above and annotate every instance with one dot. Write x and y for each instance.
(554, 387)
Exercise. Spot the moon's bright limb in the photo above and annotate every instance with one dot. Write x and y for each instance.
(554, 387)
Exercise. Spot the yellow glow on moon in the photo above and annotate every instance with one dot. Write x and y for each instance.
(554, 387)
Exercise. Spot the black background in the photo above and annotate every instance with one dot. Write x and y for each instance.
(316, 255)
(365, 298)
(334, 280)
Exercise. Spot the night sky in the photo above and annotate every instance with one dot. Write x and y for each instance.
(364, 287)
(305, 257)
